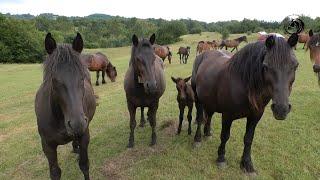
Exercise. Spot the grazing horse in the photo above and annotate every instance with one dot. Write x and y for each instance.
(241, 86)
(184, 53)
(99, 62)
(185, 98)
(144, 84)
(216, 44)
(303, 38)
(65, 103)
(163, 52)
(314, 46)
(204, 46)
(233, 43)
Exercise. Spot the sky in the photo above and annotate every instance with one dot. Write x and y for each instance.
(202, 10)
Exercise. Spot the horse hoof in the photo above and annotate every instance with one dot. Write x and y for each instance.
(130, 145)
(97, 84)
(152, 144)
(221, 165)
(196, 144)
(103, 82)
(141, 125)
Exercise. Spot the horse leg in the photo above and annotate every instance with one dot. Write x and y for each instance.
(152, 112)
(189, 117)
(224, 137)
(97, 82)
(51, 153)
(199, 117)
(180, 58)
(133, 123)
(142, 121)
(233, 49)
(207, 126)
(76, 146)
(304, 45)
(103, 74)
(181, 108)
(246, 163)
(83, 160)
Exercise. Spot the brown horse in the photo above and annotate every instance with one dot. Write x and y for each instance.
(303, 38)
(314, 46)
(234, 43)
(99, 62)
(241, 86)
(204, 46)
(163, 52)
(65, 103)
(185, 98)
(216, 44)
(184, 53)
(144, 84)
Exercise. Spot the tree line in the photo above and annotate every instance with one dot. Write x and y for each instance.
(21, 36)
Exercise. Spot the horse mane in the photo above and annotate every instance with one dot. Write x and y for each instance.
(240, 38)
(248, 64)
(63, 54)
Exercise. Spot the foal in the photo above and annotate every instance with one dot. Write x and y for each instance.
(185, 98)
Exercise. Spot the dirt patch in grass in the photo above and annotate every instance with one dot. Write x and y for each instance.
(169, 127)
(3, 137)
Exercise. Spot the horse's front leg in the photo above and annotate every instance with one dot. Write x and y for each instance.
(224, 137)
(142, 121)
(246, 162)
(152, 113)
(76, 146)
(50, 150)
(97, 81)
(180, 58)
(199, 117)
(84, 160)
(181, 108)
(189, 117)
(103, 75)
(133, 123)
(233, 49)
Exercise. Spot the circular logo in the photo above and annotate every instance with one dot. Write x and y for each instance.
(293, 24)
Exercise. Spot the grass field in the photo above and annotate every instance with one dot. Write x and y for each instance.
(287, 149)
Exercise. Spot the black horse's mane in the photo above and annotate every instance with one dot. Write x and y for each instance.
(63, 54)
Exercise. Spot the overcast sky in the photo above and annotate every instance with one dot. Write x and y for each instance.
(203, 10)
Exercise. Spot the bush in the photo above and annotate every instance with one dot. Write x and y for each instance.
(225, 33)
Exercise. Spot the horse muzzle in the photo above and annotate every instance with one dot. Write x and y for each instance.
(316, 68)
(280, 111)
(150, 87)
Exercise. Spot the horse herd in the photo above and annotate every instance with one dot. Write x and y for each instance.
(237, 85)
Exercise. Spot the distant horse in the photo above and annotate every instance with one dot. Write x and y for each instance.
(303, 38)
(241, 86)
(99, 62)
(204, 46)
(65, 103)
(233, 43)
(314, 46)
(185, 98)
(184, 53)
(144, 84)
(216, 44)
(163, 52)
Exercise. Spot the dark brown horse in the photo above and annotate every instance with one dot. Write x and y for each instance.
(99, 62)
(234, 43)
(185, 98)
(163, 52)
(303, 38)
(314, 46)
(184, 53)
(144, 84)
(241, 86)
(204, 46)
(65, 103)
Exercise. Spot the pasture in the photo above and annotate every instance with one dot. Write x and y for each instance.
(287, 149)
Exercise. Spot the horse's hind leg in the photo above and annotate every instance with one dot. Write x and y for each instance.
(180, 58)
(76, 146)
(246, 163)
(83, 160)
(152, 112)
(142, 121)
(233, 49)
(224, 137)
(189, 118)
(103, 74)
(207, 126)
(133, 123)
(51, 153)
(97, 82)
(199, 117)
(181, 108)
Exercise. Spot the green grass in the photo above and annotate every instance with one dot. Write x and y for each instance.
(287, 149)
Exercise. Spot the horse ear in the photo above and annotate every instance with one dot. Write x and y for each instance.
(135, 40)
(77, 43)
(49, 43)
(174, 79)
(187, 79)
(152, 38)
(310, 33)
(270, 42)
(293, 39)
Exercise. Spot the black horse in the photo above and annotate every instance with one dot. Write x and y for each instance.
(184, 53)
(65, 103)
